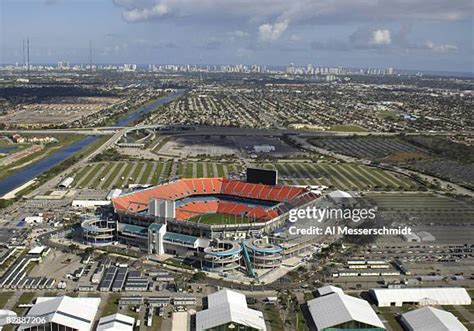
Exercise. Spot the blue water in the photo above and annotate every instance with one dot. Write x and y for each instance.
(148, 108)
(6, 150)
(37, 168)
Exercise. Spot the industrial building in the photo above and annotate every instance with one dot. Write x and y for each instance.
(386, 297)
(431, 319)
(66, 183)
(337, 311)
(63, 313)
(228, 310)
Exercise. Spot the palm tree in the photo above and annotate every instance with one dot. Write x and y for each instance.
(73, 248)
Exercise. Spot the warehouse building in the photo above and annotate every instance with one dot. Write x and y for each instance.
(228, 310)
(431, 319)
(66, 183)
(386, 297)
(63, 313)
(336, 310)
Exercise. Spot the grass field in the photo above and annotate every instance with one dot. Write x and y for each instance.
(345, 176)
(107, 175)
(220, 219)
(388, 318)
(112, 304)
(26, 297)
(4, 297)
(272, 315)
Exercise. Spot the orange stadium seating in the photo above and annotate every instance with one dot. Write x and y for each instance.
(136, 202)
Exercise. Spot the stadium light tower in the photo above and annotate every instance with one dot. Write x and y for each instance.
(28, 56)
(90, 55)
(24, 58)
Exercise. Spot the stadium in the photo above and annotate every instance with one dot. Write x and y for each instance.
(223, 223)
(207, 207)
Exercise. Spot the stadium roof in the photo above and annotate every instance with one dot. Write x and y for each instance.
(75, 313)
(226, 307)
(134, 229)
(431, 319)
(329, 289)
(116, 322)
(423, 296)
(338, 308)
(180, 238)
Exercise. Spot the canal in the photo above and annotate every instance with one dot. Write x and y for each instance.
(37, 168)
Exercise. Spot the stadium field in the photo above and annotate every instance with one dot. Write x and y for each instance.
(220, 219)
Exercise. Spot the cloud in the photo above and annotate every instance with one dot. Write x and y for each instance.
(365, 38)
(304, 12)
(272, 32)
(440, 48)
(381, 37)
(143, 14)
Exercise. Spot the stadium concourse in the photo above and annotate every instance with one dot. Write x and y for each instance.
(219, 224)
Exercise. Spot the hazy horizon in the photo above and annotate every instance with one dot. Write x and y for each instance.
(422, 35)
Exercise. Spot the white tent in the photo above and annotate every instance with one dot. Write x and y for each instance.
(431, 319)
(422, 296)
(338, 308)
(74, 313)
(117, 322)
(226, 307)
(329, 289)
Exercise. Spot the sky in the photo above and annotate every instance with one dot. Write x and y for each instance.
(403, 34)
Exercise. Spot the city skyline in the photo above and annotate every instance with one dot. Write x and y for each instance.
(419, 35)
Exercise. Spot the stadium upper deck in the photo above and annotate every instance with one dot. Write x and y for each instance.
(246, 199)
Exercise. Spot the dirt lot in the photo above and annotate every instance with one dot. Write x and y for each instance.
(57, 110)
(56, 265)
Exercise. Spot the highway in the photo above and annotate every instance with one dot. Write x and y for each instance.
(201, 130)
